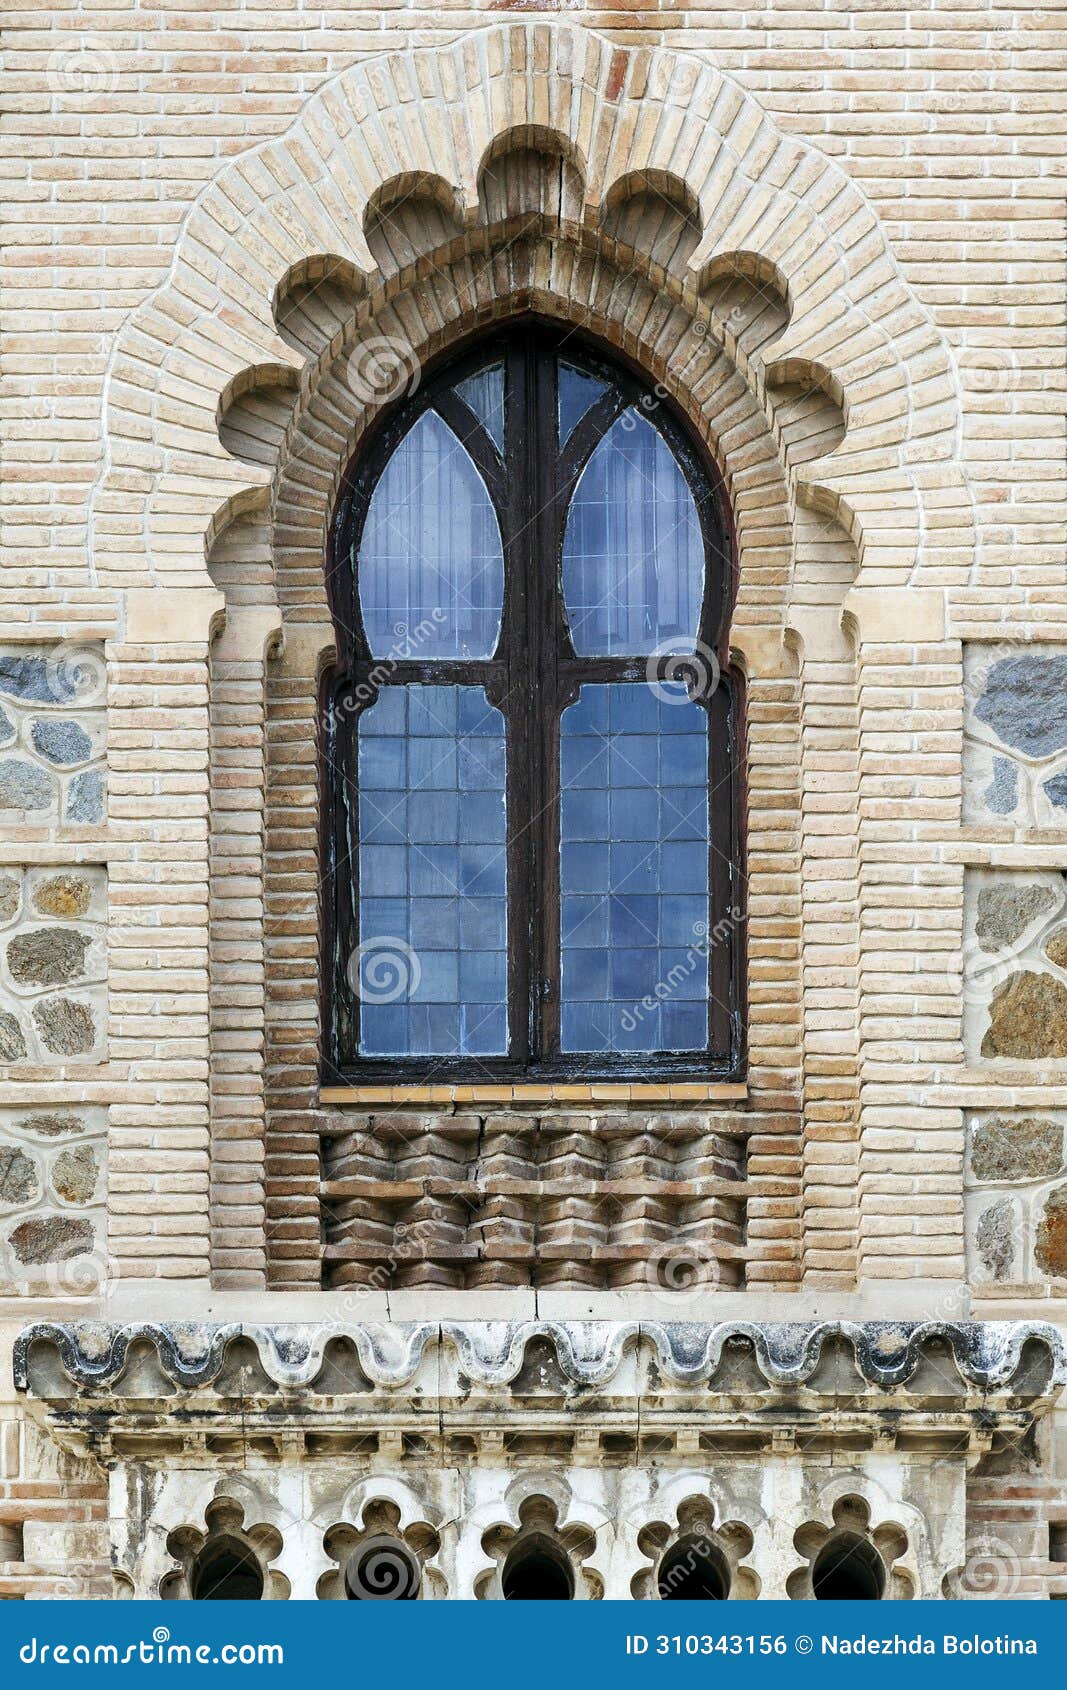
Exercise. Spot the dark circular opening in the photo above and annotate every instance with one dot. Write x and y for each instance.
(537, 1570)
(695, 1570)
(848, 1568)
(226, 1570)
(382, 1570)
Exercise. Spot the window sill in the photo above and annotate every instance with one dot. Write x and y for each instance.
(665, 1092)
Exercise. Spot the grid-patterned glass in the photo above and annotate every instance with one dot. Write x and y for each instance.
(633, 552)
(431, 563)
(431, 967)
(634, 869)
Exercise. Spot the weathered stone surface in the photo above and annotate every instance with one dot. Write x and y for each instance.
(1029, 1148)
(51, 956)
(1005, 912)
(64, 895)
(12, 1042)
(62, 741)
(23, 786)
(995, 1241)
(75, 1174)
(1023, 703)
(1002, 793)
(1028, 1019)
(52, 1126)
(1056, 788)
(1056, 947)
(51, 1238)
(85, 798)
(37, 681)
(7, 728)
(9, 897)
(18, 1176)
(66, 1028)
(1050, 1248)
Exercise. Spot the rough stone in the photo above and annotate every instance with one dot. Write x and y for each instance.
(23, 786)
(994, 1240)
(75, 1174)
(1002, 793)
(62, 741)
(12, 1041)
(18, 1176)
(64, 895)
(51, 1238)
(52, 1126)
(1050, 1248)
(66, 1028)
(37, 681)
(1056, 947)
(9, 896)
(1023, 703)
(7, 727)
(1005, 912)
(1029, 1148)
(1028, 1019)
(85, 797)
(1057, 791)
(50, 956)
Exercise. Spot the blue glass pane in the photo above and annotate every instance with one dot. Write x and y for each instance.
(633, 553)
(577, 393)
(431, 565)
(634, 870)
(484, 393)
(431, 968)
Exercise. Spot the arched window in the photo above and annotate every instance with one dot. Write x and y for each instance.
(530, 754)
(848, 1568)
(537, 1570)
(694, 1570)
(226, 1570)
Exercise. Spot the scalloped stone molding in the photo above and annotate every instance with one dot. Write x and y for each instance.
(592, 1354)
(647, 114)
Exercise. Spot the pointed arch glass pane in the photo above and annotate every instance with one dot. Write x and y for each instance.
(484, 393)
(577, 394)
(431, 564)
(633, 553)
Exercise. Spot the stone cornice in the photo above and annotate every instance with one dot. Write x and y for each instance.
(592, 1391)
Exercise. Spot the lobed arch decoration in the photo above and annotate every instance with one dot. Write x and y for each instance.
(743, 197)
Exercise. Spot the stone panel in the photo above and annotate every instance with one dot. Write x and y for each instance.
(53, 736)
(1017, 1195)
(53, 1191)
(1015, 727)
(53, 965)
(1013, 975)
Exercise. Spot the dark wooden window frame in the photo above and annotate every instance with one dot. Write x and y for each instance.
(534, 663)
